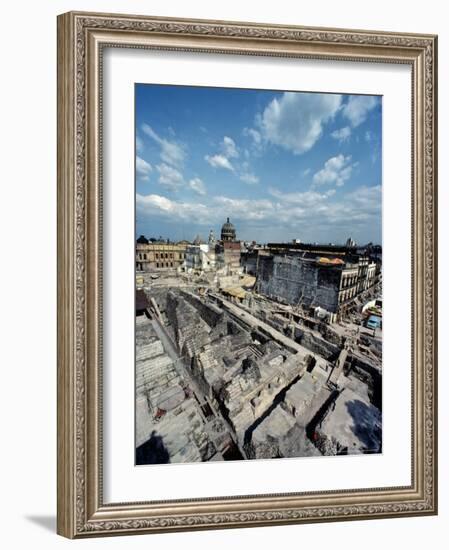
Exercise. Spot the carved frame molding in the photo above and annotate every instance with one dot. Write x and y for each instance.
(81, 39)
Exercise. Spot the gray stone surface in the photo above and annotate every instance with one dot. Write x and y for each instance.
(213, 375)
(268, 436)
(300, 396)
(295, 280)
(353, 425)
(169, 424)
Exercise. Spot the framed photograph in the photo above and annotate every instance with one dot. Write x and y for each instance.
(246, 274)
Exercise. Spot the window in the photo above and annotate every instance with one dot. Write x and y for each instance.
(157, 256)
(140, 256)
(157, 264)
(144, 256)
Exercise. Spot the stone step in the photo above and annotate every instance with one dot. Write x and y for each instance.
(148, 351)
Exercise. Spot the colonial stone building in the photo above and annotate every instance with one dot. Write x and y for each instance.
(153, 256)
(331, 278)
(228, 250)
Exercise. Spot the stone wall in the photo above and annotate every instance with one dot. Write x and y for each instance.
(210, 313)
(369, 375)
(293, 280)
(249, 262)
(317, 345)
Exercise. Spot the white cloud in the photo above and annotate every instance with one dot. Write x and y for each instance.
(174, 211)
(304, 212)
(357, 108)
(244, 209)
(143, 168)
(170, 177)
(219, 161)
(308, 199)
(368, 198)
(228, 151)
(171, 152)
(254, 134)
(205, 214)
(368, 136)
(160, 203)
(198, 186)
(249, 178)
(256, 145)
(229, 148)
(246, 174)
(139, 144)
(342, 134)
(295, 121)
(336, 171)
(238, 209)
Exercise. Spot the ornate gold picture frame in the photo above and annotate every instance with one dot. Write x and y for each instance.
(82, 38)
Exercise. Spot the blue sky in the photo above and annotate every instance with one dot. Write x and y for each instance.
(280, 165)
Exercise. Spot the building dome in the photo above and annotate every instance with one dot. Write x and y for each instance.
(142, 240)
(228, 231)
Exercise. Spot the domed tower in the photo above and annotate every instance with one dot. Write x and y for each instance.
(228, 232)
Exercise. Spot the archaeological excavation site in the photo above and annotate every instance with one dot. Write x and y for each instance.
(247, 351)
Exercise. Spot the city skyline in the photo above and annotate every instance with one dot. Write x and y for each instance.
(281, 165)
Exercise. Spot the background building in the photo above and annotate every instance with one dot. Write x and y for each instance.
(200, 257)
(329, 277)
(153, 256)
(350, 243)
(229, 256)
(228, 231)
(228, 251)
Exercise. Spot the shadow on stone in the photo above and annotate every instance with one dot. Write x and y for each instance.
(367, 425)
(153, 451)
